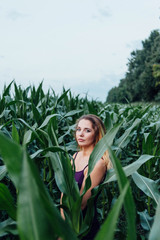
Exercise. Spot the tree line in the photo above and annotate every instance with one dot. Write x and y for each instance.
(142, 79)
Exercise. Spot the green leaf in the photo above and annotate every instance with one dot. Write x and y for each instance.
(7, 89)
(3, 172)
(68, 132)
(63, 172)
(148, 186)
(36, 113)
(27, 137)
(146, 220)
(50, 149)
(6, 201)
(89, 215)
(108, 122)
(8, 226)
(4, 114)
(122, 141)
(148, 144)
(129, 169)
(12, 156)
(42, 220)
(108, 228)
(31, 128)
(122, 179)
(128, 202)
(155, 231)
(15, 134)
(101, 146)
(46, 121)
(62, 96)
(98, 152)
(71, 113)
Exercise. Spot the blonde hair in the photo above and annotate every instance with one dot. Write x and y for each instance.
(100, 131)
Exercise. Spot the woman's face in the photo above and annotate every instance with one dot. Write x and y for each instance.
(85, 134)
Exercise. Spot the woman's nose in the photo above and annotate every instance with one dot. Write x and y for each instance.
(81, 133)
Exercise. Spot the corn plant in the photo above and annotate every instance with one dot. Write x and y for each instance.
(36, 146)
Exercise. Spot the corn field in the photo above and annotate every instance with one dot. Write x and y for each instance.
(36, 146)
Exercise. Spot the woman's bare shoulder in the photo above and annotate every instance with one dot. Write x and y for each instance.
(100, 166)
(101, 163)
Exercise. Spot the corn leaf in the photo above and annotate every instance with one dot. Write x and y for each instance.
(36, 113)
(3, 172)
(129, 169)
(122, 141)
(37, 216)
(42, 220)
(148, 186)
(15, 134)
(62, 96)
(101, 146)
(146, 220)
(108, 228)
(31, 128)
(47, 119)
(73, 112)
(8, 226)
(128, 202)
(12, 156)
(6, 201)
(155, 231)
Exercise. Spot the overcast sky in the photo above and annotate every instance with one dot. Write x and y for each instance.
(79, 44)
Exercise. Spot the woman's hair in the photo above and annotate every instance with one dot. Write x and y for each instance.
(100, 131)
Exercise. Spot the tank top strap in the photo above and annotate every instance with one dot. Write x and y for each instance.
(85, 167)
(75, 155)
(75, 158)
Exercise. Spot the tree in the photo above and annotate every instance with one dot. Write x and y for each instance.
(141, 82)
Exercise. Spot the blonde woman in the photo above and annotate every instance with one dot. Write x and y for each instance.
(89, 130)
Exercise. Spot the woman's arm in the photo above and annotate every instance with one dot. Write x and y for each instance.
(96, 176)
(61, 209)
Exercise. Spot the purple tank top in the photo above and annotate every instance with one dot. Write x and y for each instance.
(79, 176)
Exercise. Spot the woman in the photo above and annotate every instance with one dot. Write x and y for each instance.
(89, 130)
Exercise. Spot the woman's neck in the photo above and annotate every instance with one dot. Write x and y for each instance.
(86, 151)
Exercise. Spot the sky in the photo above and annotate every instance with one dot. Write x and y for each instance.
(83, 45)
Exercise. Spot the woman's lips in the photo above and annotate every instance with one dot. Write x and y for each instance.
(80, 140)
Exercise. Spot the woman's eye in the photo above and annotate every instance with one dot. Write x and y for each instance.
(87, 130)
(78, 129)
